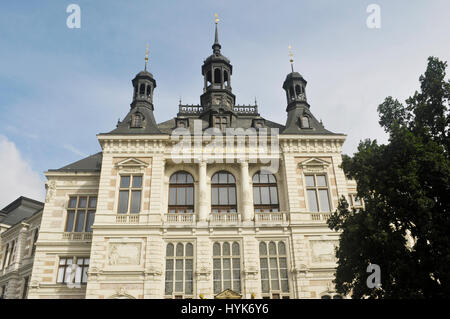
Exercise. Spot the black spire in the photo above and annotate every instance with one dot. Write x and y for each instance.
(140, 119)
(216, 46)
(216, 71)
(300, 120)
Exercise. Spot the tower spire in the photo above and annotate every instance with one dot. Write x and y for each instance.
(291, 58)
(146, 57)
(216, 46)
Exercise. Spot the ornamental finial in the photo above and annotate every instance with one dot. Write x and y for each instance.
(291, 57)
(146, 57)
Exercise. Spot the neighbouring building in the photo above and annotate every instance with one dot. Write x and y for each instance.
(172, 210)
(19, 230)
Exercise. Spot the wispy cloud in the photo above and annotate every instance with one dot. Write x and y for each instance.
(17, 176)
(74, 150)
(24, 133)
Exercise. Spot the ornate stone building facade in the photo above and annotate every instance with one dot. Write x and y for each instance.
(173, 210)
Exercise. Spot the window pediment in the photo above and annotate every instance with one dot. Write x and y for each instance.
(131, 165)
(314, 165)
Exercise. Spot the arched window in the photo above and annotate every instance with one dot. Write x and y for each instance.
(149, 90)
(217, 76)
(226, 267)
(225, 77)
(208, 77)
(265, 193)
(305, 122)
(136, 120)
(223, 193)
(291, 93)
(179, 270)
(273, 269)
(298, 90)
(181, 193)
(142, 89)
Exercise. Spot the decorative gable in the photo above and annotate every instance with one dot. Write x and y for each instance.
(314, 165)
(131, 165)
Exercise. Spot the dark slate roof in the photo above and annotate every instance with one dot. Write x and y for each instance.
(91, 163)
(20, 209)
(244, 122)
(149, 123)
(293, 123)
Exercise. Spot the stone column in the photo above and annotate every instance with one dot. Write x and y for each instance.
(246, 202)
(203, 207)
(20, 245)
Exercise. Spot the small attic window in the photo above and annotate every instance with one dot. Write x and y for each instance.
(258, 123)
(305, 122)
(136, 120)
(142, 89)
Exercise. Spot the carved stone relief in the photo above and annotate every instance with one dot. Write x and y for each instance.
(323, 251)
(124, 254)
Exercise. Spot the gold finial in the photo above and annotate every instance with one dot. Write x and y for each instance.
(146, 57)
(291, 58)
(216, 17)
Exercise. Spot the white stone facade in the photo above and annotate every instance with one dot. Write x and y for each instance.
(128, 251)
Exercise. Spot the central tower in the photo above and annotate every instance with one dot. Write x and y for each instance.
(216, 71)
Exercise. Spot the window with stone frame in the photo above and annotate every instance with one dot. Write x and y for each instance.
(5, 256)
(305, 121)
(72, 270)
(11, 257)
(130, 191)
(33, 243)
(226, 266)
(317, 192)
(181, 193)
(223, 193)
(265, 193)
(80, 213)
(179, 280)
(25, 287)
(220, 122)
(136, 120)
(356, 202)
(273, 269)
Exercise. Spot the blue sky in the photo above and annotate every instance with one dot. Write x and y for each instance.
(60, 87)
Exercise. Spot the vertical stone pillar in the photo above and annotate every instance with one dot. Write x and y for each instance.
(203, 207)
(246, 202)
(20, 245)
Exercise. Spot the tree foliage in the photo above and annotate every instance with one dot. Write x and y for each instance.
(405, 184)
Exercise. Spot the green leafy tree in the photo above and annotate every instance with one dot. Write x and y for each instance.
(405, 224)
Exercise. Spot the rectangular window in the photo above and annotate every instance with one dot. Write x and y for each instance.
(130, 194)
(179, 280)
(35, 238)
(356, 201)
(65, 264)
(317, 193)
(25, 287)
(220, 122)
(226, 266)
(81, 213)
(73, 270)
(12, 253)
(5, 259)
(273, 269)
